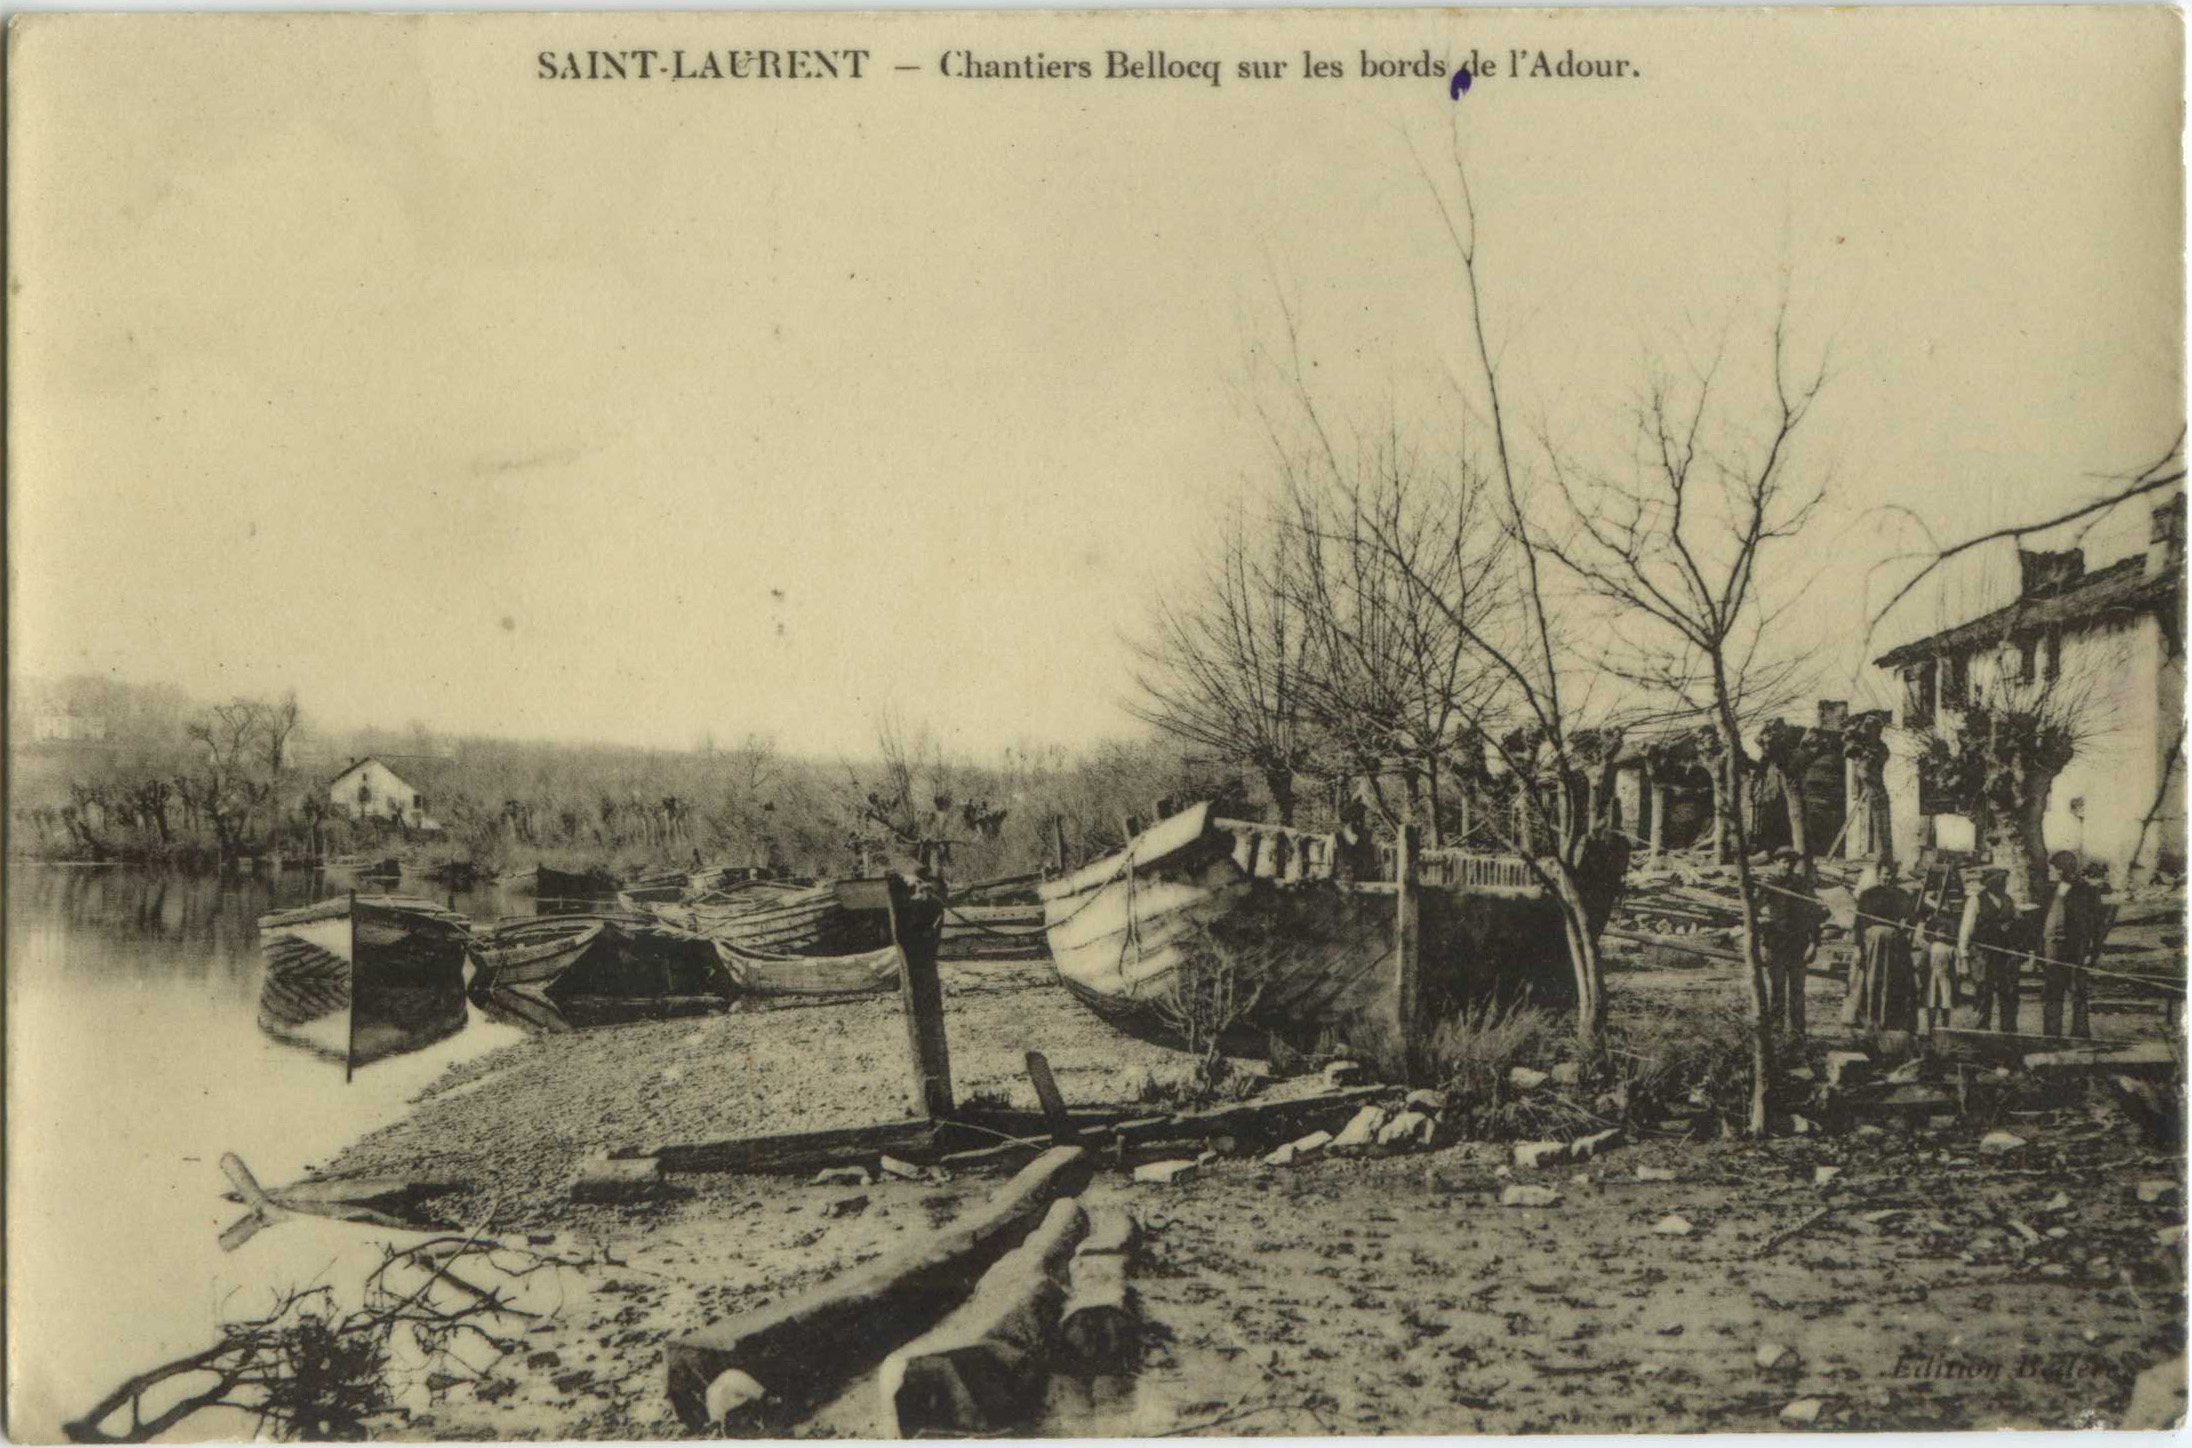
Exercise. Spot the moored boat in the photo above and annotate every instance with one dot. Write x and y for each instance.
(534, 950)
(1263, 911)
(360, 978)
(548, 884)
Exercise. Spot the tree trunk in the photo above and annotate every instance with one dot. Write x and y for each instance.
(1583, 956)
(1792, 794)
(1720, 812)
(1658, 795)
(1431, 836)
(1280, 782)
(2022, 849)
(1753, 957)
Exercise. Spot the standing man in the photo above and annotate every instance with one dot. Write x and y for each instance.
(1983, 942)
(2069, 934)
(1789, 918)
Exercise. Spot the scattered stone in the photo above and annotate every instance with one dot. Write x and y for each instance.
(2056, 1234)
(2160, 1190)
(1361, 1131)
(1803, 1073)
(1526, 1078)
(1904, 1074)
(1431, 1103)
(1521, 1196)
(2000, 1143)
(845, 1206)
(1293, 1151)
(1568, 1073)
(904, 1171)
(1655, 1174)
(1821, 1175)
(2171, 1236)
(1409, 1128)
(1802, 1411)
(1868, 1129)
(1846, 1068)
(1530, 1155)
(842, 1176)
(1802, 1126)
(1771, 1355)
(1651, 1370)
(1167, 1173)
(1673, 1226)
(1342, 1074)
(2060, 1202)
(2157, 1397)
(544, 1360)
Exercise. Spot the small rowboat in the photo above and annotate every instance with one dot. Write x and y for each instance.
(818, 920)
(816, 975)
(534, 951)
(547, 883)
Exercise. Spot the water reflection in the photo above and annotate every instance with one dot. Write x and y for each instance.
(355, 979)
(136, 1059)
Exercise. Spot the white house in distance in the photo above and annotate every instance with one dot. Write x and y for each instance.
(372, 788)
(2113, 640)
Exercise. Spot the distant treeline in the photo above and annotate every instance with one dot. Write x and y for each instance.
(150, 776)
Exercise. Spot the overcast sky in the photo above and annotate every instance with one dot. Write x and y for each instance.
(352, 357)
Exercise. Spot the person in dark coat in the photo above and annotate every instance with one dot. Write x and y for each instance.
(1986, 941)
(2070, 931)
(1883, 988)
(1789, 920)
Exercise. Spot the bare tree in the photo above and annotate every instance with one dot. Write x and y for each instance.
(1221, 669)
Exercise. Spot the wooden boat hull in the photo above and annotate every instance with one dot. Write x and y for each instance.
(361, 978)
(813, 921)
(526, 954)
(1195, 897)
(859, 973)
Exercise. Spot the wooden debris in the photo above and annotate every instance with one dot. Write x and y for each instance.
(610, 1179)
(1099, 1327)
(761, 1365)
(1054, 1104)
(2147, 1054)
(264, 1208)
(979, 1370)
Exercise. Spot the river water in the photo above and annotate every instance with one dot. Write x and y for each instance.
(135, 1058)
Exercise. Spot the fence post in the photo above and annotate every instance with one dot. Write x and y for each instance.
(1408, 938)
(915, 925)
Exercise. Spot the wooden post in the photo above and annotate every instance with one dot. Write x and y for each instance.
(1054, 1104)
(1058, 861)
(1659, 818)
(350, 1046)
(1408, 938)
(914, 931)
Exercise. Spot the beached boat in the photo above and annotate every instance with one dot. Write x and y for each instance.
(596, 970)
(534, 950)
(781, 975)
(817, 920)
(1196, 895)
(361, 978)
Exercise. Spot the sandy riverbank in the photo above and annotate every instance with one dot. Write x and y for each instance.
(1363, 1295)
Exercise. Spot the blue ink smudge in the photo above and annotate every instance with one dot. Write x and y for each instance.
(1460, 84)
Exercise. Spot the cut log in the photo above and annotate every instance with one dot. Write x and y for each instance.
(980, 1369)
(1099, 1327)
(774, 1362)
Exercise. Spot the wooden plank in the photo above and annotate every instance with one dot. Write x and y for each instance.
(766, 1367)
(1054, 1104)
(800, 1151)
(1407, 943)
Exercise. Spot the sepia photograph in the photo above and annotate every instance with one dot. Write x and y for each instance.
(1094, 725)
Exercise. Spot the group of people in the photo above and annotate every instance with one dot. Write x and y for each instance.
(1918, 957)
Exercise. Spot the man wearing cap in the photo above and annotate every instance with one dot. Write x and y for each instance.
(1789, 917)
(2069, 927)
(1983, 943)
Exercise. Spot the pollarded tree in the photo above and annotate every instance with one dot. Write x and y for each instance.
(2000, 765)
